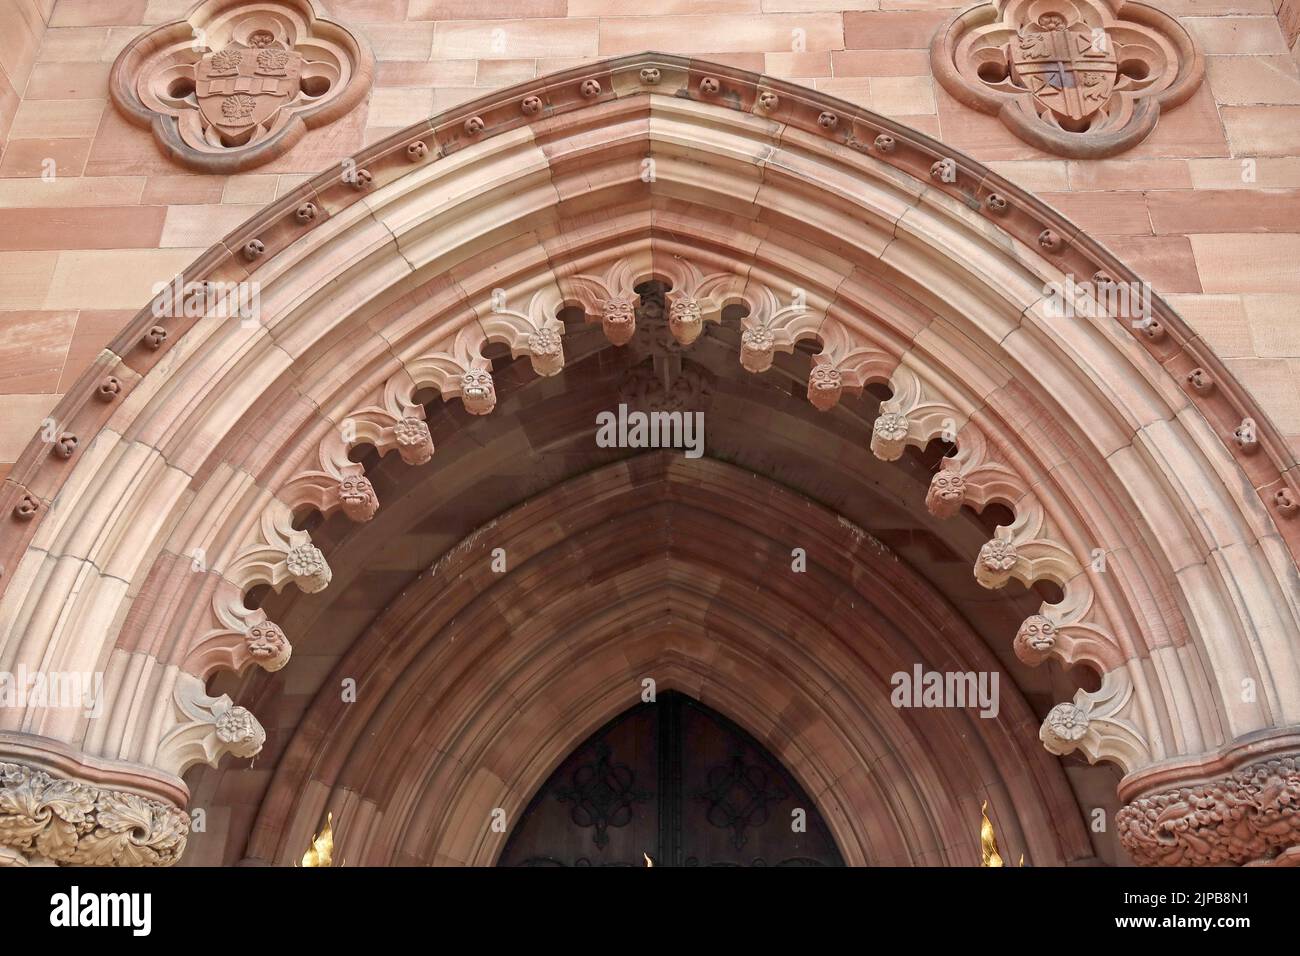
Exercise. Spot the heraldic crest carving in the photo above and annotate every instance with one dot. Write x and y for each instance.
(1079, 78)
(236, 84)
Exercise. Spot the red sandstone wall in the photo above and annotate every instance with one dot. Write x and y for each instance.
(79, 253)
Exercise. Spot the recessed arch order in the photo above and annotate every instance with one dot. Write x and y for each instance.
(1119, 447)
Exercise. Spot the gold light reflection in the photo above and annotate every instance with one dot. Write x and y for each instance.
(321, 851)
(988, 842)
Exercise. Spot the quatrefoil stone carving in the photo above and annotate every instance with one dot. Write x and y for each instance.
(1080, 78)
(235, 84)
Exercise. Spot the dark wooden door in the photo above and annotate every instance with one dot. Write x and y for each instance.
(675, 781)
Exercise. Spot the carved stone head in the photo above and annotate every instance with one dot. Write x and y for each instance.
(358, 497)
(946, 495)
(824, 386)
(478, 392)
(1035, 640)
(685, 320)
(268, 645)
(618, 319)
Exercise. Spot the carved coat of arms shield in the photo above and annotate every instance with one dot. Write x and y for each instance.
(243, 87)
(1069, 69)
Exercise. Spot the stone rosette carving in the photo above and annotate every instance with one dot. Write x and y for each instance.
(1079, 78)
(306, 564)
(236, 84)
(414, 443)
(1251, 815)
(996, 559)
(206, 729)
(47, 819)
(889, 436)
(535, 331)
(1101, 724)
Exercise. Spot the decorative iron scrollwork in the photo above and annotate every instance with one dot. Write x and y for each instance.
(603, 794)
(739, 795)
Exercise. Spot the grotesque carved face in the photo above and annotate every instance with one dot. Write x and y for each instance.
(685, 320)
(946, 494)
(757, 348)
(1035, 640)
(268, 645)
(358, 497)
(824, 386)
(618, 318)
(478, 392)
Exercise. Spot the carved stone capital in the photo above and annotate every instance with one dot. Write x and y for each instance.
(1249, 816)
(46, 819)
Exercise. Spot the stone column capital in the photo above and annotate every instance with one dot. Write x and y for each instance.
(1241, 806)
(60, 807)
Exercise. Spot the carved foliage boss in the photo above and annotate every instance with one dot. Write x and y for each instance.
(48, 819)
(1081, 78)
(236, 84)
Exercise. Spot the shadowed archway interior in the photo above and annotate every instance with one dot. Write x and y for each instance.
(670, 783)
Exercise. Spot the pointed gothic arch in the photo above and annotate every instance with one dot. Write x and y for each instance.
(201, 442)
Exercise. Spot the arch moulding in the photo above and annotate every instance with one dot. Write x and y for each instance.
(191, 451)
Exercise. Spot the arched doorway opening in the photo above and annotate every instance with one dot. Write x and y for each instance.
(671, 782)
(1075, 491)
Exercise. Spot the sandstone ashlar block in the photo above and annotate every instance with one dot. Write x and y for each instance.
(42, 158)
(1244, 263)
(1252, 80)
(57, 119)
(113, 279)
(491, 39)
(1255, 131)
(710, 33)
(1243, 36)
